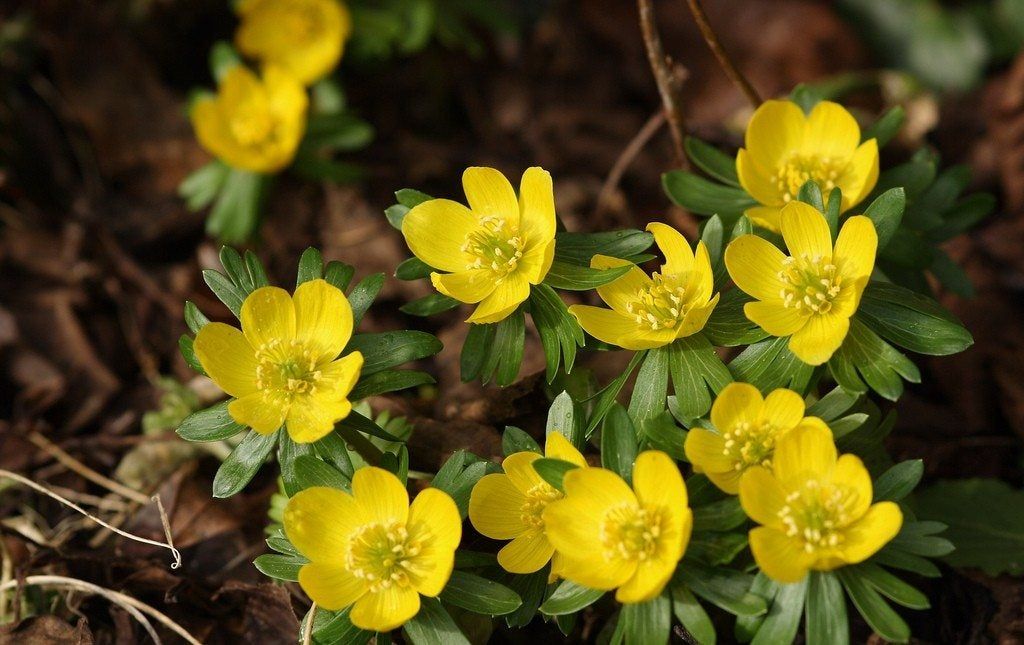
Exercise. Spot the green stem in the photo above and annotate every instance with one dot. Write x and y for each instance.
(355, 439)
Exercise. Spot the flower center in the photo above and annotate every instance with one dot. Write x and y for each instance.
(384, 554)
(251, 124)
(537, 499)
(629, 532)
(301, 21)
(797, 169)
(660, 305)
(495, 245)
(286, 367)
(811, 284)
(750, 444)
(817, 513)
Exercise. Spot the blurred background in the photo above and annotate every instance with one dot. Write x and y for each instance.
(98, 252)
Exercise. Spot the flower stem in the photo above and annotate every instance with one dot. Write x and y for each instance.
(715, 45)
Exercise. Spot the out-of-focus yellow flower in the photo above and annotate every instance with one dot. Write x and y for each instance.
(609, 536)
(748, 428)
(510, 506)
(495, 249)
(815, 510)
(653, 311)
(283, 367)
(304, 37)
(253, 124)
(812, 293)
(786, 148)
(372, 549)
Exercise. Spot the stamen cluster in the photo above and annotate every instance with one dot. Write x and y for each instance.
(817, 513)
(496, 245)
(384, 554)
(537, 499)
(286, 367)
(811, 283)
(750, 444)
(661, 305)
(797, 169)
(630, 532)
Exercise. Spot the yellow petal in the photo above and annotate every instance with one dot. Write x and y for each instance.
(501, 302)
(386, 610)
(736, 403)
(519, 468)
(783, 408)
(879, 525)
(436, 230)
(769, 217)
(527, 553)
(647, 581)
(227, 357)
(775, 129)
(380, 495)
(212, 129)
(573, 523)
(675, 248)
(696, 318)
(323, 318)
(495, 506)
(807, 450)
(591, 569)
(433, 513)
(605, 325)
(597, 488)
(761, 496)
(465, 286)
(757, 181)
(337, 378)
(702, 278)
(557, 446)
(706, 450)
(330, 585)
(805, 230)
(490, 195)
(780, 558)
(754, 264)
(861, 175)
(855, 248)
(851, 474)
(775, 318)
(536, 206)
(618, 293)
(728, 481)
(831, 131)
(319, 521)
(658, 482)
(819, 338)
(261, 413)
(287, 101)
(536, 261)
(268, 315)
(311, 418)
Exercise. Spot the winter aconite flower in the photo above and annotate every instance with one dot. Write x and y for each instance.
(609, 536)
(811, 293)
(786, 148)
(748, 428)
(253, 124)
(372, 550)
(304, 37)
(815, 510)
(283, 367)
(510, 506)
(492, 251)
(648, 312)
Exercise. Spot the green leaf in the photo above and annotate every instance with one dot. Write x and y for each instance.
(194, 319)
(332, 449)
(647, 623)
(662, 433)
(810, 193)
(825, 611)
(865, 354)
(963, 216)
(330, 628)
(363, 295)
(553, 470)
(531, 588)
(411, 198)
(723, 515)
(569, 598)
(986, 522)
(314, 167)
(311, 266)
(559, 332)
(236, 269)
(886, 127)
(390, 348)
(886, 213)
(693, 617)
(188, 352)
(725, 588)
(618, 443)
(280, 567)
(918, 538)
(764, 588)
(695, 368)
(241, 465)
(914, 177)
(433, 626)
(783, 619)
(897, 559)
(878, 614)
(564, 417)
(604, 399)
(257, 273)
(435, 303)
(716, 549)
(413, 269)
(892, 587)
(833, 404)
(201, 187)
(769, 365)
(951, 275)
(712, 234)
(212, 424)
(225, 290)
(339, 274)
(505, 356)
(310, 472)
(395, 215)
(457, 477)
(703, 197)
(475, 350)
(728, 326)
(358, 422)
(712, 161)
(573, 277)
(806, 97)
(515, 440)
(479, 595)
(389, 381)
(579, 248)
(912, 321)
(897, 482)
(236, 211)
(288, 451)
(651, 386)
(336, 132)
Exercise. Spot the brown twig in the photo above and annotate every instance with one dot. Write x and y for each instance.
(307, 633)
(715, 45)
(73, 464)
(666, 80)
(626, 158)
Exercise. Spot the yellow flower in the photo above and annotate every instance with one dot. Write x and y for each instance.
(811, 294)
(815, 510)
(253, 124)
(495, 249)
(612, 537)
(786, 148)
(281, 367)
(649, 312)
(372, 549)
(748, 428)
(510, 506)
(305, 37)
